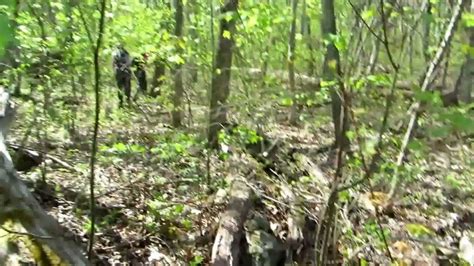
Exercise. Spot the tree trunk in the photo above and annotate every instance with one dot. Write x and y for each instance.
(465, 80)
(193, 34)
(221, 73)
(374, 55)
(177, 113)
(427, 32)
(227, 249)
(158, 76)
(332, 72)
(293, 117)
(306, 31)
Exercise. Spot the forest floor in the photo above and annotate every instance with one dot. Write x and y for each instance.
(160, 195)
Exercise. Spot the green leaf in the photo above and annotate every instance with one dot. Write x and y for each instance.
(226, 34)
(451, 180)
(351, 135)
(415, 145)
(368, 14)
(188, 224)
(468, 19)
(252, 22)
(418, 230)
(440, 132)
(137, 148)
(287, 101)
(197, 260)
(179, 208)
(380, 80)
(429, 97)
(460, 121)
(176, 59)
(119, 147)
(6, 32)
(344, 196)
(326, 83)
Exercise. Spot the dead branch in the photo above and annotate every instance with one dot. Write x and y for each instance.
(39, 155)
(227, 245)
(426, 86)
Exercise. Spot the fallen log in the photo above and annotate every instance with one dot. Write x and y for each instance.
(36, 157)
(227, 249)
(285, 162)
(282, 161)
(227, 245)
(19, 206)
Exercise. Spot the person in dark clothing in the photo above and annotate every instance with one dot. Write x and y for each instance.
(138, 64)
(123, 73)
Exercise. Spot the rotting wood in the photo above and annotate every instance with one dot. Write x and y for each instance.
(40, 156)
(301, 228)
(227, 247)
(19, 205)
(284, 161)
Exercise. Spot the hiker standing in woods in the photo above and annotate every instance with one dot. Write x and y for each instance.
(123, 73)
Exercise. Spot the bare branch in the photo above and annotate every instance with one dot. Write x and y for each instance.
(425, 86)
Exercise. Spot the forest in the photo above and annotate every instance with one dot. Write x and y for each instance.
(236, 132)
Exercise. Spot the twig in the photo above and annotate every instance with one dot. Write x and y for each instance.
(86, 27)
(258, 192)
(24, 233)
(96, 49)
(357, 12)
(385, 39)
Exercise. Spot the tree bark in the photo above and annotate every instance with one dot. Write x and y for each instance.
(95, 142)
(193, 34)
(177, 114)
(427, 32)
(221, 73)
(332, 72)
(465, 81)
(158, 76)
(306, 32)
(227, 248)
(291, 63)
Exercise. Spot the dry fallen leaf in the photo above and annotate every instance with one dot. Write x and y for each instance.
(402, 248)
(372, 200)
